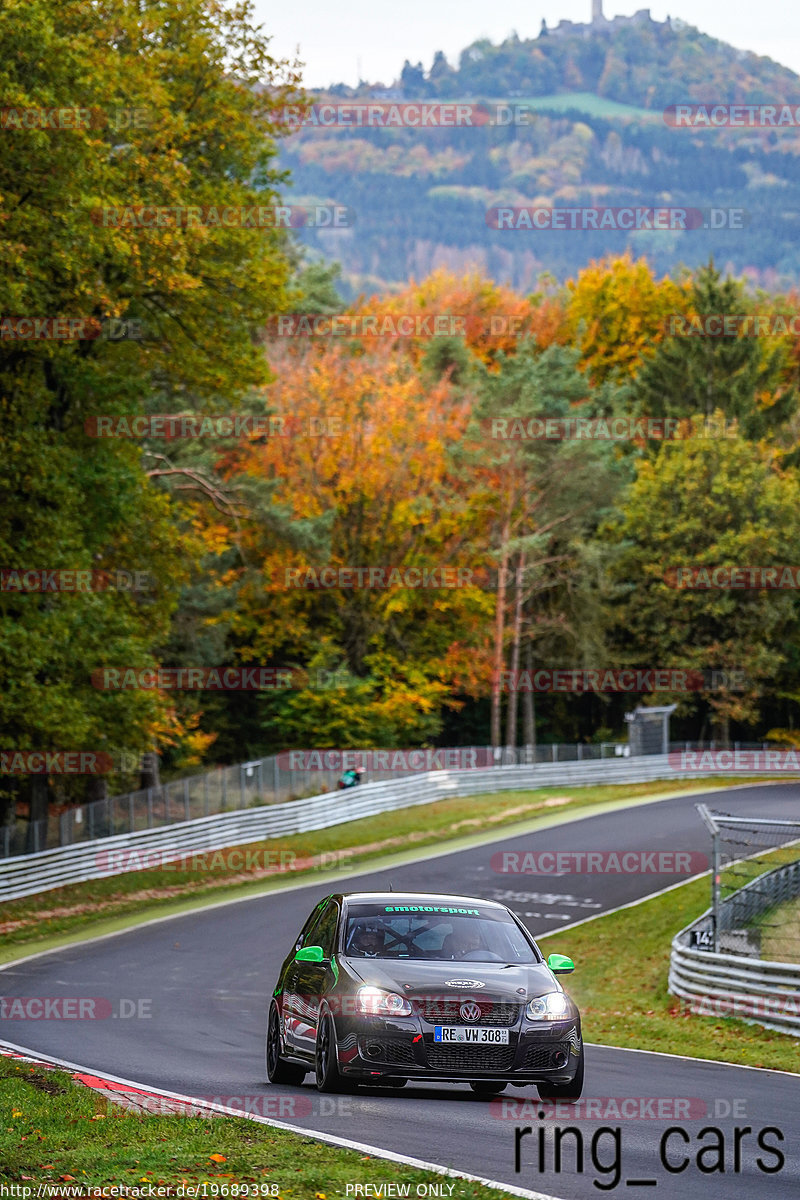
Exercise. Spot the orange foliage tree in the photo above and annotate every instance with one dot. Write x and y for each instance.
(617, 313)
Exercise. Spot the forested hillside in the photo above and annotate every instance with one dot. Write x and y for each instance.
(421, 195)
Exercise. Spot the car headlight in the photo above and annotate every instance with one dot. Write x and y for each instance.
(378, 1003)
(550, 1007)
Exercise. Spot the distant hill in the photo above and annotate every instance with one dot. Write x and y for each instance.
(634, 60)
(596, 137)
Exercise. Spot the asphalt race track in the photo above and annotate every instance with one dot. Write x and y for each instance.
(189, 999)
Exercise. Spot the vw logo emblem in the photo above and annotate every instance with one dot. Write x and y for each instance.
(470, 1011)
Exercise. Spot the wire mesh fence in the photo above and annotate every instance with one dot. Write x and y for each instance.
(275, 780)
(755, 882)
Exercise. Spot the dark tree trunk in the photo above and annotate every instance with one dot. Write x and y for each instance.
(513, 697)
(498, 657)
(8, 802)
(149, 771)
(96, 788)
(529, 708)
(37, 824)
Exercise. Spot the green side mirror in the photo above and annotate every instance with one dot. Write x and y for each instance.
(309, 954)
(559, 964)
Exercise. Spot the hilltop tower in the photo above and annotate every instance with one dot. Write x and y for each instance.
(597, 12)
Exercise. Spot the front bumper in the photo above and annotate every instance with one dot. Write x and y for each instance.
(376, 1046)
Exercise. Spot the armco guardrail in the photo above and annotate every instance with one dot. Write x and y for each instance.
(737, 984)
(271, 780)
(726, 984)
(26, 874)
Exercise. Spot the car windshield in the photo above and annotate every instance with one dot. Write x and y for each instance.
(456, 934)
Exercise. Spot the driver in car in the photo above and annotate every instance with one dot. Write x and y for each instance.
(368, 942)
(463, 939)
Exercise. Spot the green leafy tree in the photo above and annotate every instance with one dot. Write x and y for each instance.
(184, 105)
(747, 378)
(704, 502)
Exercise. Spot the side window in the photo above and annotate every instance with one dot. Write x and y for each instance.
(324, 932)
(304, 938)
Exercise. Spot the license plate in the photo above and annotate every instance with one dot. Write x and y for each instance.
(469, 1033)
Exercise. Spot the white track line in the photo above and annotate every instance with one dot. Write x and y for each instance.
(329, 1138)
(690, 1058)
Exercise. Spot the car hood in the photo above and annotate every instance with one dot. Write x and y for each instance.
(455, 979)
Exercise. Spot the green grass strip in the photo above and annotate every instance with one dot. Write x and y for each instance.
(58, 1132)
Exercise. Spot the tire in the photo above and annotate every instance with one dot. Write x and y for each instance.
(564, 1091)
(278, 1069)
(326, 1063)
(488, 1087)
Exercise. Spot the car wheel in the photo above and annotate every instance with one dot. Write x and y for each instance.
(564, 1091)
(278, 1069)
(488, 1087)
(329, 1078)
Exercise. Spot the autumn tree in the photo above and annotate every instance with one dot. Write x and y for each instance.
(545, 498)
(617, 314)
(183, 101)
(364, 463)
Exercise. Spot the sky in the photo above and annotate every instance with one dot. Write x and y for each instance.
(342, 41)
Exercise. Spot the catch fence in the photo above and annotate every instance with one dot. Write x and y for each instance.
(742, 957)
(273, 780)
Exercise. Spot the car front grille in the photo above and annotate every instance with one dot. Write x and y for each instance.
(399, 1052)
(443, 1009)
(540, 1058)
(467, 1057)
(389, 1051)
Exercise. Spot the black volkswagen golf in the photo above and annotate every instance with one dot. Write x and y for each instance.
(383, 987)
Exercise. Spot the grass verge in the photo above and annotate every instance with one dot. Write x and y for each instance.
(620, 985)
(55, 917)
(51, 1132)
(779, 930)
